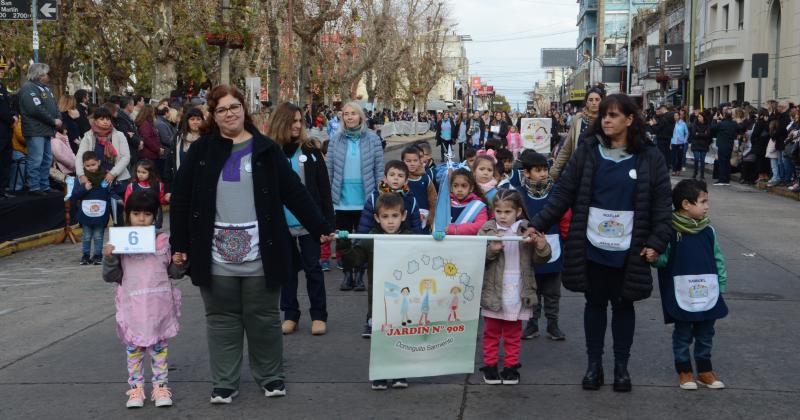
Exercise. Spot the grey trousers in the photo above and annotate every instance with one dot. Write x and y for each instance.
(548, 289)
(236, 306)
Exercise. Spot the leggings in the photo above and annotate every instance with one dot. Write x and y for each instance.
(158, 363)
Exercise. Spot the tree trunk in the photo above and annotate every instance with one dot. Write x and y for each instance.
(306, 54)
(165, 76)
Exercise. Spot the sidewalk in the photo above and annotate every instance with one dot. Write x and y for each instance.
(782, 191)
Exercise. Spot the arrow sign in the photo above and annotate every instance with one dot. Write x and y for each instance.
(48, 11)
(21, 10)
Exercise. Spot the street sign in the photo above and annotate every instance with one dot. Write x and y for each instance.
(760, 62)
(672, 55)
(21, 10)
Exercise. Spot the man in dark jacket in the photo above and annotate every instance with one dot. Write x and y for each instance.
(123, 122)
(725, 133)
(40, 120)
(7, 118)
(663, 126)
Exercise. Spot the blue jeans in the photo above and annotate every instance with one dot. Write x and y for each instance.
(776, 164)
(788, 169)
(676, 153)
(40, 157)
(93, 233)
(315, 284)
(700, 164)
(702, 333)
(16, 176)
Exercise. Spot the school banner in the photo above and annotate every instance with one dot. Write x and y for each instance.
(425, 307)
(536, 134)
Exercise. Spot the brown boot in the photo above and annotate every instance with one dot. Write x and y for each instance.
(710, 380)
(289, 326)
(318, 327)
(687, 381)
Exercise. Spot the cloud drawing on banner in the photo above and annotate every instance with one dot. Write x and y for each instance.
(426, 259)
(464, 279)
(398, 275)
(469, 293)
(413, 267)
(438, 262)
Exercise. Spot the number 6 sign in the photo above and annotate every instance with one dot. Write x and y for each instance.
(133, 240)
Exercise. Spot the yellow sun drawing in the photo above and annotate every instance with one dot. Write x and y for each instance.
(450, 269)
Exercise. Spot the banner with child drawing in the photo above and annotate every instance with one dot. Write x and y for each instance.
(426, 306)
(536, 133)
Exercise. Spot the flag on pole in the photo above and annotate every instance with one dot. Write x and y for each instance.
(442, 217)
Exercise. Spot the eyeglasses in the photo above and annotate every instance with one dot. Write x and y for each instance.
(235, 109)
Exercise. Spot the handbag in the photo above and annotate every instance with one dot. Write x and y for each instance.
(736, 158)
(772, 153)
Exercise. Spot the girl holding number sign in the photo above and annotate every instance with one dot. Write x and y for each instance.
(148, 304)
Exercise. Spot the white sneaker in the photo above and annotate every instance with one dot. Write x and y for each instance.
(162, 396)
(135, 397)
(223, 396)
(709, 379)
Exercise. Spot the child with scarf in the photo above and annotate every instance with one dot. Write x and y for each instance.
(395, 180)
(420, 184)
(692, 278)
(485, 171)
(94, 197)
(536, 190)
(468, 210)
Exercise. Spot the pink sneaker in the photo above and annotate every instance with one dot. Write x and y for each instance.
(135, 397)
(161, 395)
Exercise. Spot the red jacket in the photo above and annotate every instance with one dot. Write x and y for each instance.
(152, 142)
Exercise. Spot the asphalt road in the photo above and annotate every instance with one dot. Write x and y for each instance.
(60, 357)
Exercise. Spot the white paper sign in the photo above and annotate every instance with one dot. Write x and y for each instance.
(536, 133)
(133, 240)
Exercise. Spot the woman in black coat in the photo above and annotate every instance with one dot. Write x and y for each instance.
(286, 127)
(228, 224)
(700, 138)
(760, 140)
(618, 188)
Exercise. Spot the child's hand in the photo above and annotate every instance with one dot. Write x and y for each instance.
(495, 245)
(650, 255)
(539, 240)
(108, 249)
(167, 197)
(179, 258)
(87, 185)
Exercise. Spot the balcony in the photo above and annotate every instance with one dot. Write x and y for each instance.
(586, 6)
(721, 46)
(586, 30)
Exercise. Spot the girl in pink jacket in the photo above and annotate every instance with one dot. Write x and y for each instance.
(148, 304)
(514, 141)
(467, 207)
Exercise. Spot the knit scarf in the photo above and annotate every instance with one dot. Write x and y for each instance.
(104, 139)
(687, 225)
(487, 186)
(383, 187)
(538, 189)
(96, 178)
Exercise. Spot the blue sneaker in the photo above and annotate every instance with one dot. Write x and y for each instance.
(326, 265)
(339, 265)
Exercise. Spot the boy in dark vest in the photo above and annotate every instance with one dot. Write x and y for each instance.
(692, 278)
(94, 197)
(536, 190)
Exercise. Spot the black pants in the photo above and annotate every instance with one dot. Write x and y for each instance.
(724, 159)
(548, 291)
(315, 284)
(605, 285)
(461, 150)
(347, 220)
(5, 162)
(663, 146)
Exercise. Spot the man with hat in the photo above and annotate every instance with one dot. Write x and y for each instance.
(7, 119)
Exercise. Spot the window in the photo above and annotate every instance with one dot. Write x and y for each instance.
(709, 101)
(740, 13)
(740, 92)
(712, 19)
(725, 15)
(726, 93)
(717, 97)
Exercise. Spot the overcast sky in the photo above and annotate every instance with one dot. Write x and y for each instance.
(508, 36)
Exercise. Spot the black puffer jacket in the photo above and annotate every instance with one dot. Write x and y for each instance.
(651, 220)
(700, 137)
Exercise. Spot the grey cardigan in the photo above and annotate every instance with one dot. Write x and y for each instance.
(371, 162)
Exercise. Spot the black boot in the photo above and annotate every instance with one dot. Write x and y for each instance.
(593, 379)
(622, 380)
(347, 282)
(358, 278)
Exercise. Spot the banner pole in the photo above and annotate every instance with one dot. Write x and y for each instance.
(430, 237)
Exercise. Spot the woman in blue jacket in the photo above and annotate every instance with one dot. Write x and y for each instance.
(355, 167)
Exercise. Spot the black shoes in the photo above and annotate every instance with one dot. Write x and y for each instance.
(491, 376)
(553, 332)
(622, 380)
(358, 278)
(275, 389)
(85, 260)
(367, 331)
(400, 383)
(531, 329)
(593, 379)
(97, 260)
(380, 385)
(347, 282)
(510, 374)
(223, 396)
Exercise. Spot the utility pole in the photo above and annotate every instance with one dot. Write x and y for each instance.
(224, 52)
(35, 39)
(630, 48)
(692, 58)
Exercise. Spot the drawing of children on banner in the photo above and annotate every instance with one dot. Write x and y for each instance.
(454, 304)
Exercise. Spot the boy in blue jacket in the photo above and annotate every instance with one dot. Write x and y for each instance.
(692, 278)
(395, 180)
(93, 212)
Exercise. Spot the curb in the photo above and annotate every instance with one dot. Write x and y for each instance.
(35, 241)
